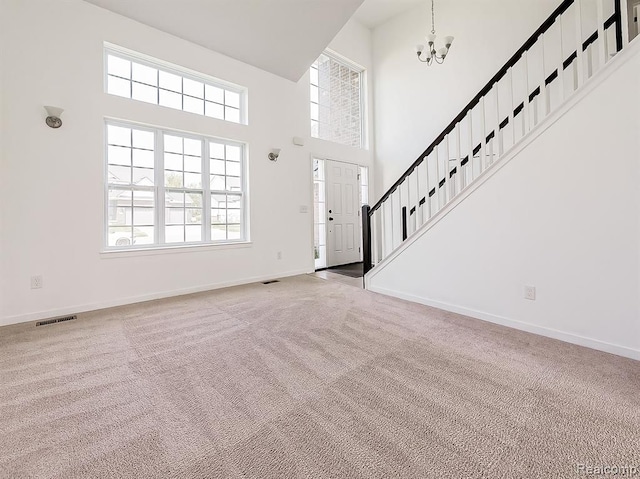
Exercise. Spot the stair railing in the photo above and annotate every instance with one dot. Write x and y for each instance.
(541, 75)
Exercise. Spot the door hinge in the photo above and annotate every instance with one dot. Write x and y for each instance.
(358, 175)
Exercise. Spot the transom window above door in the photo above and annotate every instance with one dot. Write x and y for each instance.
(337, 101)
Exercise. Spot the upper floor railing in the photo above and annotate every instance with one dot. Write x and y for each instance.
(577, 39)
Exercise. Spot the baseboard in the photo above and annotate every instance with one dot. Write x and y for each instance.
(83, 308)
(512, 323)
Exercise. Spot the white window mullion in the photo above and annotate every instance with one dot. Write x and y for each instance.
(160, 192)
(244, 111)
(243, 221)
(243, 198)
(105, 239)
(206, 192)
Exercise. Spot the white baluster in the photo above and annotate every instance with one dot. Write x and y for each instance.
(491, 152)
(427, 198)
(560, 66)
(544, 90)
(400, 215)
(459, 178)
(483, 135)
(407, 185)
(447, 171)
(536, 108)
(392, 223)
(470, 163)
(526, 112)
(374, 238)
(397, 204)
(379, 234)
(419, 209)
(602, 41)
(511, 108)
(437, 182)
(497, 137)
(625, 23)
(579, 62)
(384, 227)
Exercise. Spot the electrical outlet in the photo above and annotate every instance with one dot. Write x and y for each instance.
(279, 255)
(530, 293)
(36, 282)
(304, 209)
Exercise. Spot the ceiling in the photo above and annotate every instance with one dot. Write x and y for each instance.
(375, 12)
(283, 37)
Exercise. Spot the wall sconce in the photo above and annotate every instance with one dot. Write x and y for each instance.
(53, 116)
(274, 153)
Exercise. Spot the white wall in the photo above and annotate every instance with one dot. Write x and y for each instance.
(413, 102)
(51, 181)
(562, 216)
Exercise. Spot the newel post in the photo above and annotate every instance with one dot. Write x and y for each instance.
(366, 239)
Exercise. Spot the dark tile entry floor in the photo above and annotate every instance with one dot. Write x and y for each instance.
(353, 270)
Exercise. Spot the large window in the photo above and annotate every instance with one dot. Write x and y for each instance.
(153, 82)
(336, 101)
(167, 188)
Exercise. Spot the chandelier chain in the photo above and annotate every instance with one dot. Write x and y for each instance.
(433, 18)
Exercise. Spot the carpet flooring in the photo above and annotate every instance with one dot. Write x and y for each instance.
(306, 378)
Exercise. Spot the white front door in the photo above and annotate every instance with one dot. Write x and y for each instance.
(343, 218)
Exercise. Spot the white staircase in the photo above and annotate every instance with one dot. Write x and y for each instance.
(535, 184)
(536, 81)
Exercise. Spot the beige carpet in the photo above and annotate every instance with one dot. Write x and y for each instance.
(306, 378)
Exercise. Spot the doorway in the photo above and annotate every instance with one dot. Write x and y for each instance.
(340, 189)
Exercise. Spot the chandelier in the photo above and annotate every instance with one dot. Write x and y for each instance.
(431, 55)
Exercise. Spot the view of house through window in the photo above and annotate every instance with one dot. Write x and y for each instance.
(170, 188)
(336, 101)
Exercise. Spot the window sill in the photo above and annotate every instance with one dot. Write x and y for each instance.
(165, 249)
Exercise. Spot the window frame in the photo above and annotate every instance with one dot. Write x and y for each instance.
(184, 73)
(343, 61)
(159, 189)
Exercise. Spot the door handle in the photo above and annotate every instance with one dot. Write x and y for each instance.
(330, 218)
